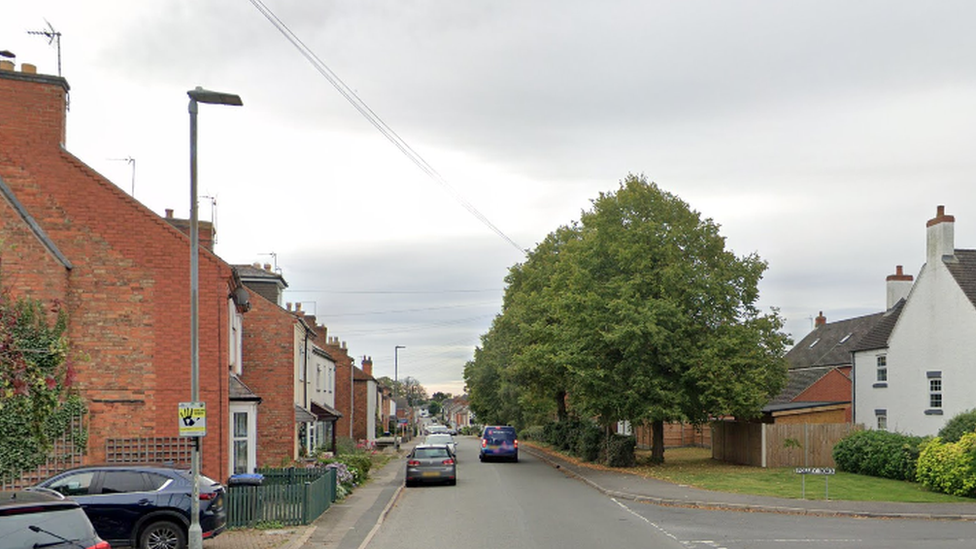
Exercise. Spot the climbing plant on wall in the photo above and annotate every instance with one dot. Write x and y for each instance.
(36, 375)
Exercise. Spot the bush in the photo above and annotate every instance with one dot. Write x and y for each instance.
(359, 464)
(535, 432)
(879, 454)
(949, 467)
(959, 425)
(588, 442)
(619, 451)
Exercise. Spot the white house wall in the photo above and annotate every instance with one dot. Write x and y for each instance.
(934, 333)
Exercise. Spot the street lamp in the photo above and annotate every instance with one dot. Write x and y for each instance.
(396, 427)
(198, 95)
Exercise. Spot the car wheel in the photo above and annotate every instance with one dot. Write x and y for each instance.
(163, 535)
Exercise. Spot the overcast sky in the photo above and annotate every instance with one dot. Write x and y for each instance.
(821, 135)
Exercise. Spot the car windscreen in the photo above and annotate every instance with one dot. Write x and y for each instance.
(499, 434)
(439, 439)
(38, 529)
(431, 453)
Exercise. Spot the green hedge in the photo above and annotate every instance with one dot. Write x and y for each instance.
(587, 441)
(949, 467)
(959, 425)
(879, 454)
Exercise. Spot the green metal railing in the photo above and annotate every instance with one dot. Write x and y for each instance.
(287, 496)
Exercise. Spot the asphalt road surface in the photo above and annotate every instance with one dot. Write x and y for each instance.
(532, 505)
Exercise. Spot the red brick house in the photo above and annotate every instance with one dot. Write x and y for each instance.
(122, 274)
(366, 403)
(819, 389)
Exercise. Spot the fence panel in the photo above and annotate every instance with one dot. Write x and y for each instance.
(804, 444)
(291, 497)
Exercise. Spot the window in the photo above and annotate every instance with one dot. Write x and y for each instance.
(240, 443)
(74, 485)
(882, 362)
(935, 393)
(123, 482)
(882, 423)
(845, 338)
(814, 343)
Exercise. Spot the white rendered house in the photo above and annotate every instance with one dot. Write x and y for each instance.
(915, 370)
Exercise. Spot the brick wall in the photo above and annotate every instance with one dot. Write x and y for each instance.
(127, 294)
(268, 368)
(344, 367)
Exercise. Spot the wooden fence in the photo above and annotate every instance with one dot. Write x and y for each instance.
(778, 445)
(676, 435)
(288, 497)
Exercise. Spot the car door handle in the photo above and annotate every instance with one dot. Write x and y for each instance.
(144, 502)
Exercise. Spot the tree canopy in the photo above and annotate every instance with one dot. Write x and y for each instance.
(637, 312)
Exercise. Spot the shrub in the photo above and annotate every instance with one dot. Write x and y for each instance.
(949, 467)
(535, 432)
(879, 454)
(359, 464)
(588, 442)
(959, 425)
(619, 451)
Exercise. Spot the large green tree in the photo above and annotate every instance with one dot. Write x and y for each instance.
(659, 320)
(538, 353)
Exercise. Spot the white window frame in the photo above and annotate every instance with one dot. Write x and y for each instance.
(881, 375)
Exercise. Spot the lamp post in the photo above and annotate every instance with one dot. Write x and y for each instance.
(396, 417)
(197, 95)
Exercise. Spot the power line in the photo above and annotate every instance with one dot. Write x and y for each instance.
(375, 120)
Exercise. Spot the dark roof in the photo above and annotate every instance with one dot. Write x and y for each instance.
(799, 380)
(963, 269)
(787, 406)
(250, 273)
(240, 391)
(304, 416)
(877, 338)
(325, 412)
(831, 344)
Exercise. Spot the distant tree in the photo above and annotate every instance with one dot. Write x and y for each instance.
(414, 392)
(434, 407)
(441, 396)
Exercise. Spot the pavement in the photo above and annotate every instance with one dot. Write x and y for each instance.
(350, 524)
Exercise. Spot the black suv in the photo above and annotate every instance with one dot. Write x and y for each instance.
(34, 518)
(140, 506)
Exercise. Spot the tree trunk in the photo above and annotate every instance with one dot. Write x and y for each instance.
(561, 413)
(657, 443)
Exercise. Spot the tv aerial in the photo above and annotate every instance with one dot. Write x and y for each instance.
(52, 37)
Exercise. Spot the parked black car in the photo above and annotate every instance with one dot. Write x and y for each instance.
(35, 518)
(144, 507)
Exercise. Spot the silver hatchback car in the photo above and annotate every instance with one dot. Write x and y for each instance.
(429, 463)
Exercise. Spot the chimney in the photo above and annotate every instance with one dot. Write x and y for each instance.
(205, 229)
(898, 286)
(940, 236)
(368, 366)
(34, 106)
(821, 320)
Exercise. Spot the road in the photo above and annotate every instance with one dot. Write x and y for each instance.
(530, 505)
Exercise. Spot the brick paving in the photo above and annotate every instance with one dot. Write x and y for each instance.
(246, 538)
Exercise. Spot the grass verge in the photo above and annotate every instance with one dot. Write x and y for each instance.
(695, 467)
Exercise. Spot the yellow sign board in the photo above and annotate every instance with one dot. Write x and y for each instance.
(193, 419)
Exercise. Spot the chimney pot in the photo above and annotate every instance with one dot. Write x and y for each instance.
(267, 266)
(28, 68)
(6, 65)
(288, 306)
(820, 320)
(169, 213)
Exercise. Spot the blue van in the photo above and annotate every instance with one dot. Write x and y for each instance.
(499, 441)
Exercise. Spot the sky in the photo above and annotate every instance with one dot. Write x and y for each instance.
(821, 135)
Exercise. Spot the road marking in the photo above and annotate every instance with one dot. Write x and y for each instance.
(645, 519)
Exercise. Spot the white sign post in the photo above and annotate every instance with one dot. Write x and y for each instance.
(804, 471)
